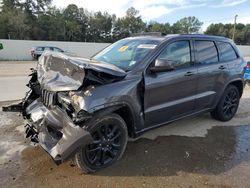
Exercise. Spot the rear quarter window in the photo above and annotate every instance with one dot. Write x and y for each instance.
(227, 52)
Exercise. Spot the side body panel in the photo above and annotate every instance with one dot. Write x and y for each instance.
(169, 95)
(213, 79)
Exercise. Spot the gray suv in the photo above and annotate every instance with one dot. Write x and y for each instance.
(85, 109)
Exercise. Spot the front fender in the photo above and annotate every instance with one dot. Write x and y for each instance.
(96, 98)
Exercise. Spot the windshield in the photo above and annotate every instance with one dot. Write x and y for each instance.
(127, 52)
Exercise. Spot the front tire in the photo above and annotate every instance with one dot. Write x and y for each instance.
(228, 105)
(110, 138)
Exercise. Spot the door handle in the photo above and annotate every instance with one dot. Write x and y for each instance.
(222, 67)
(189, 73)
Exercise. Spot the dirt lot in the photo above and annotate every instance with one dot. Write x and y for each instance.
(193, 152)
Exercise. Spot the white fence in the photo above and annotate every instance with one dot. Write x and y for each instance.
(245, 50)
(20, 49)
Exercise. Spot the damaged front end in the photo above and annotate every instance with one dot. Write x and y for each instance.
(55, 116)
(54, 130)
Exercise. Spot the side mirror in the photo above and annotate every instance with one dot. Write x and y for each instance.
(1, 46)
(162, 65)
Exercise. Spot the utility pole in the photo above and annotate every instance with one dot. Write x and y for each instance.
(235, 17)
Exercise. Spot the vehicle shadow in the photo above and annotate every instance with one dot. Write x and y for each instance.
(222, 148)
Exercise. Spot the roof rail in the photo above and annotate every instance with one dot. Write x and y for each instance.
(157, 34)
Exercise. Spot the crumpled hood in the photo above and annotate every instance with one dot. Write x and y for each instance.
(59, 72)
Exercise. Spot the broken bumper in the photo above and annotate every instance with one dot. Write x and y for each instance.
(55, 131)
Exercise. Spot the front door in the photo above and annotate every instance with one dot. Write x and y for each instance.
(170, 95)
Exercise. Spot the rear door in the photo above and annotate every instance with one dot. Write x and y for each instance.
(170, 95)
(229, 56)
(211, 73)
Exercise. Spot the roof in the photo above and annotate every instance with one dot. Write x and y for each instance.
(160, 38)
(45, 46)
(196, 36)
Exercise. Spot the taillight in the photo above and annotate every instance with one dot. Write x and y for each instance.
(248, 65)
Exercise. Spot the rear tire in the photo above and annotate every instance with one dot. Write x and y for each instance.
(110, 138)
(228, 104)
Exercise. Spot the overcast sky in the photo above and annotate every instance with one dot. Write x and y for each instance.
(208, 11)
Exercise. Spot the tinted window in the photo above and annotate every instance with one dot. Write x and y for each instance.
(48, 48)
(206, 52)
(39, 48)
(57, 50)
(227, 52)
(178, 53)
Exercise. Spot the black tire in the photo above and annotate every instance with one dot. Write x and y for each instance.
(110, 139)
(228, 104)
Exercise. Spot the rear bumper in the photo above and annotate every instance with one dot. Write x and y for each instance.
(55, 131)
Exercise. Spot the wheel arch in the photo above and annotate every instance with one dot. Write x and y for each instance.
(239, 84)
(125, 111)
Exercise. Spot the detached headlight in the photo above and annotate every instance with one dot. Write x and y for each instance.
(77, 98)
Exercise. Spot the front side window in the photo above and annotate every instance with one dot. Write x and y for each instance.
(206, 52)
(39, 49)
(227, 52)
(177, 53)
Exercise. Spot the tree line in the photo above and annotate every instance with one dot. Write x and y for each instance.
(39, 20)
(242, 33)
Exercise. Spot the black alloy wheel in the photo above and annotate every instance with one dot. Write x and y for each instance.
(106, 145)
(228, 105)
(109, 135)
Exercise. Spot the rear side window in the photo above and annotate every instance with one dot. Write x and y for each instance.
(227, 52)
(178, 53)
(57, 50)
(206, 52)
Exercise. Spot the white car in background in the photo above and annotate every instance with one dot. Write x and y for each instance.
(36, 52)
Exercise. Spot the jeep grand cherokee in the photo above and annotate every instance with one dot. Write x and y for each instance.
(87, 108)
